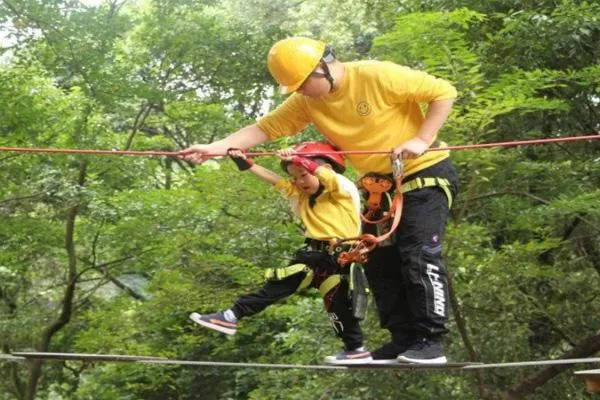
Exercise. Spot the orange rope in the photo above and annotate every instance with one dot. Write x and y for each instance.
(270, 153)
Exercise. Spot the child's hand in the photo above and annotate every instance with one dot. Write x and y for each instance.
(236, 153)
(286, 154)
(239, 158)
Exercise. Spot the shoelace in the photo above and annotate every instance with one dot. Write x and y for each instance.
(420, 345)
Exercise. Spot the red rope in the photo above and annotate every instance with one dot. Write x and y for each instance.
(88, 151)
(461, 147)
(517, 143)
(270, 153)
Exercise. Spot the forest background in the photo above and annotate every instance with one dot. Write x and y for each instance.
(109, 254)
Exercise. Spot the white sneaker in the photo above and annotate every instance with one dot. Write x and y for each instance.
(215, 321)
(350, 357)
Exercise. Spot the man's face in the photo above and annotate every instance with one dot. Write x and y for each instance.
(315, 85)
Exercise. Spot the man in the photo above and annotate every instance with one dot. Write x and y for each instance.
(373, 105)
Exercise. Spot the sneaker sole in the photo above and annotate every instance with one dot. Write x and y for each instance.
(356, 361)
(385, 362)
(438, 360)
(197, 319)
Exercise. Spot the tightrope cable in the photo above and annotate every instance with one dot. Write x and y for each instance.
(25, 356)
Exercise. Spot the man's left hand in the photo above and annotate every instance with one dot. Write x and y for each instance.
(411, 149)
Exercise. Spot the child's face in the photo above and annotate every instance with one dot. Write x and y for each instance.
(305, 181)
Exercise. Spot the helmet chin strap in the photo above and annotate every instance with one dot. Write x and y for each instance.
(328, 56)
(327, 74)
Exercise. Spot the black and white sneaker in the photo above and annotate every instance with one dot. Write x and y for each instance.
(424, 351)
(388, 353)
(353, 357)
(215, 321)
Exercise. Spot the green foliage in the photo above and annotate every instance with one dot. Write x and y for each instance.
(436, 40)
(157, 238)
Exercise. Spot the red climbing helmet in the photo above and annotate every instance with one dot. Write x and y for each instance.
(324, 151)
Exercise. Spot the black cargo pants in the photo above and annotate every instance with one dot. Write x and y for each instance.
(337, 301)
(408, 278)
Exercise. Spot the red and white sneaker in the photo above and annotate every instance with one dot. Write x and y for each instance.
(354, 357)
(215, 321)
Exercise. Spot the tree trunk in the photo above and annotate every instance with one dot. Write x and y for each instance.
(35, 370)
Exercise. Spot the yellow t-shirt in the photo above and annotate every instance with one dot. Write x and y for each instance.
(377, 107)
(336, 213)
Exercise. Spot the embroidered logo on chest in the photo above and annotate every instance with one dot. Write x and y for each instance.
(363, 108)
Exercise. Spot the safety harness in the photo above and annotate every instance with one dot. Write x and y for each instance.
(358, 290)
(354, 251)
(377, 186)
(283, 272)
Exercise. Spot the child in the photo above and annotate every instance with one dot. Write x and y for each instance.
(329, 207)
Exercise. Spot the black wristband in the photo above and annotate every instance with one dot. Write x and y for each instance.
(243, 164)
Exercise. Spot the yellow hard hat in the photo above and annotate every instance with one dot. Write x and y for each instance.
(292, 60)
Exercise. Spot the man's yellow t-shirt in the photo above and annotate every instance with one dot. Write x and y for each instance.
(377, 107)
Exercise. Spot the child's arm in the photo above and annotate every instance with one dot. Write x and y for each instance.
(265, 174)
(243, 163)
(325, 175)
(302, 162)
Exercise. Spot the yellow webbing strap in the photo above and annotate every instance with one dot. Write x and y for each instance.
(329, 284)
(351, 284)
(307, 280)
(419, 183)
(282, 273)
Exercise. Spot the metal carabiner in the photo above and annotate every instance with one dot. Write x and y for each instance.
(397, 167)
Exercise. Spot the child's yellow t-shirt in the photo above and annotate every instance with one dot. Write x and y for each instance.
(336, 212)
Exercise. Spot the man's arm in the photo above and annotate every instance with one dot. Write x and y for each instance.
(244, 138)
(436, 116)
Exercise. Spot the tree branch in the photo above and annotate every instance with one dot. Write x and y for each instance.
(103, 269)
(588, 347)
(522, 194)
(11, 199)
(509, 192)
(139, 120)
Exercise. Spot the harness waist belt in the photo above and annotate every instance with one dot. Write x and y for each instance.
(317, 245)
(282, 273)
(420, 183)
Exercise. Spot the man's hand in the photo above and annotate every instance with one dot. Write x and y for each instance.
(245, 138)
(411, 149)
(199, 153)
